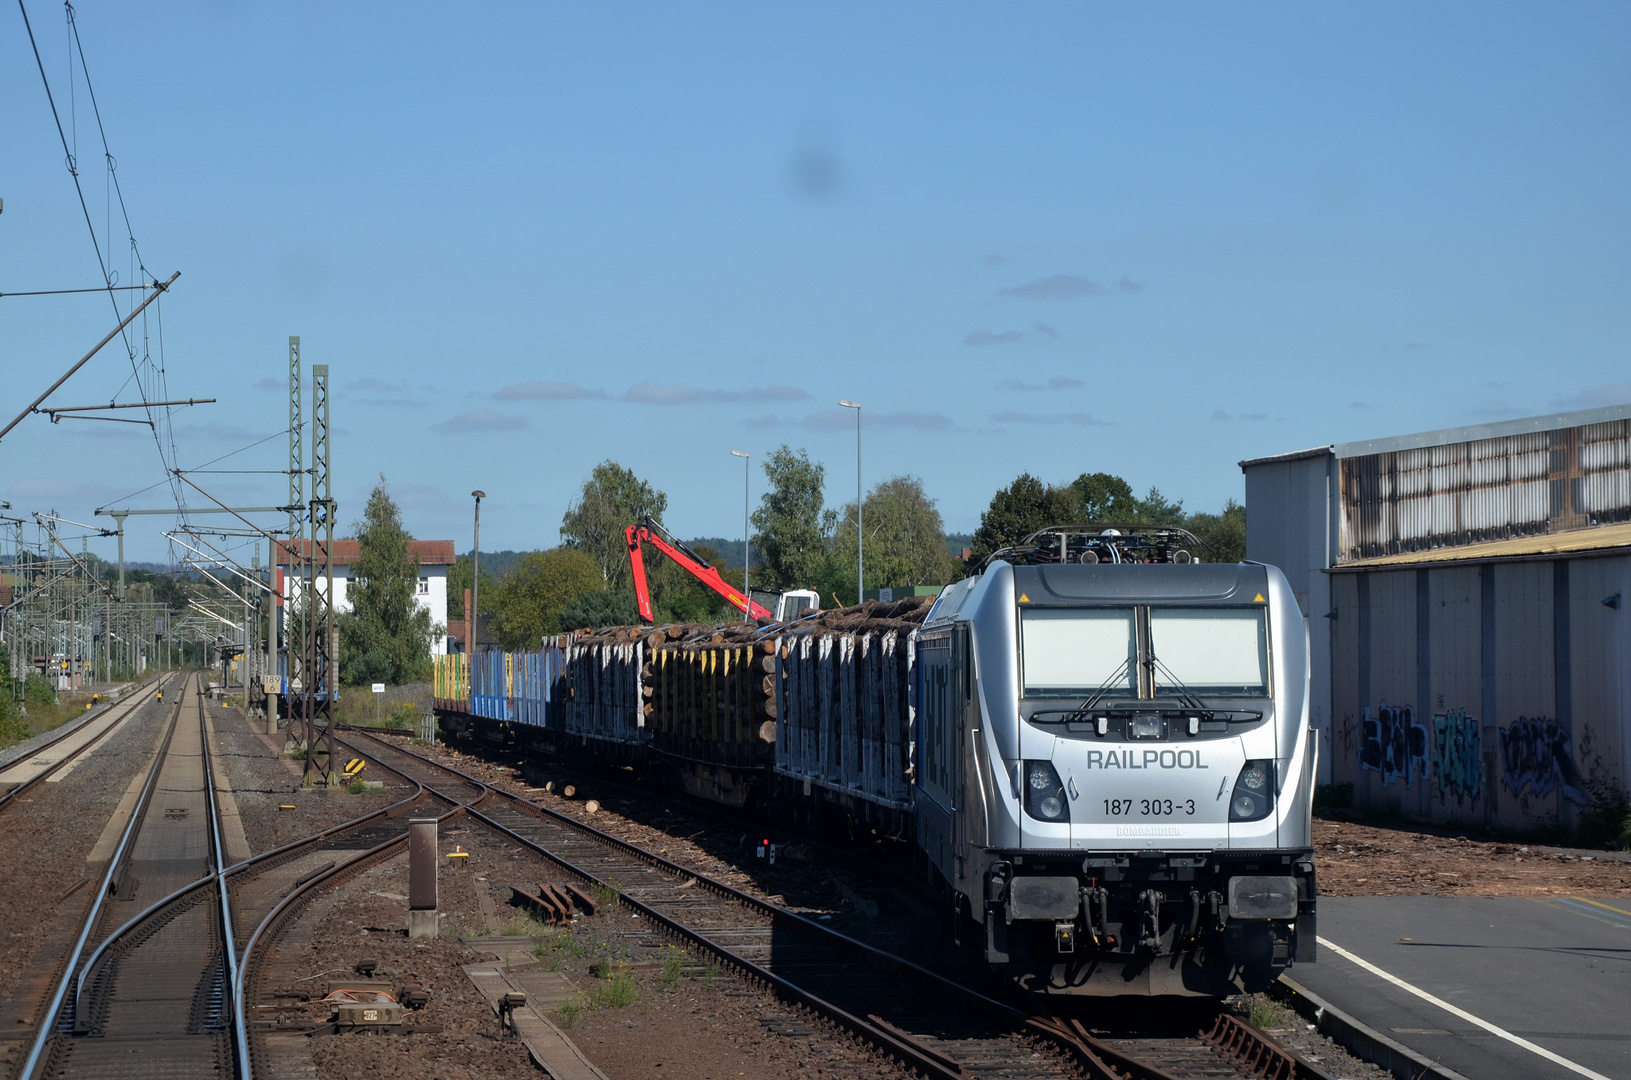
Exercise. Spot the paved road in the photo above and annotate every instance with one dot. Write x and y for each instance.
(1553, 972)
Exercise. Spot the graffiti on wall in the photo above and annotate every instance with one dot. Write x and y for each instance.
(1393, 744)
(1458, 756)
(1536, 755)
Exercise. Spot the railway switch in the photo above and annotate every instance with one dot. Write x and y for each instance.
(357, 1008)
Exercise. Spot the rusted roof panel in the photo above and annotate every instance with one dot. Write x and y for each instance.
(1577, 542)
(1527, 483)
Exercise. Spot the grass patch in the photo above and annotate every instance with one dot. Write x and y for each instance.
(618, 988)
(570, 1011)
(710, 977)
(673, 960)
(1262, 1011)
(356, 787)
(526, 926)
(557, 944)
(606, 895)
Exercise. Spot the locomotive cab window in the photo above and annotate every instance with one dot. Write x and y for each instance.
(1214, 652)
(1072, 652)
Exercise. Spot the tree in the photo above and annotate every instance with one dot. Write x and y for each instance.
(1019, 510)
(528, 602)
(676, 596)
(601, 608)
(385, 637)
(1224, 532)
(791, 530)
(1104, 498)
(905, 537)
(1156, 509)
(613, 498)
(459, 577)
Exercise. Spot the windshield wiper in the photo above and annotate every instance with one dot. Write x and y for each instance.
(1098, 695)
(1185, 695)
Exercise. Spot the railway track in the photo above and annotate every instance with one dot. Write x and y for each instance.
(158, 848)
(152, 990)
(937, 1027)
(270, 893)
(27, 772)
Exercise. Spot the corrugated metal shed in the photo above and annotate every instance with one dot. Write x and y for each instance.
(1468, 601)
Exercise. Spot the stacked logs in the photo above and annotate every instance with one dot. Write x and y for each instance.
(722, 694)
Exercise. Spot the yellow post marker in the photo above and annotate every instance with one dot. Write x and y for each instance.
(458, 852)
(355, 766)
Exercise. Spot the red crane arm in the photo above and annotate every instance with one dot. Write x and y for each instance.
(650, 532)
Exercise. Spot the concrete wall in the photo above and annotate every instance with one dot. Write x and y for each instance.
(1495, 693)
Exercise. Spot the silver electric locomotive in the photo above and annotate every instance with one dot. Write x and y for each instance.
(1115, 768)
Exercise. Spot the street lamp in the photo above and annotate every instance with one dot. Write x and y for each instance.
(860, 555)
(746, 536)
(475, 581)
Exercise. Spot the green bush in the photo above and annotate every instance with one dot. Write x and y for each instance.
(13, 724)
(37, 690)
(1606, 822)
(401, 717)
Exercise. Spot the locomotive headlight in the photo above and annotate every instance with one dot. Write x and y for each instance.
(1044, 794)
(1253, 795)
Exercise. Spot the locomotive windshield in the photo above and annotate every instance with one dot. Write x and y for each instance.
(1215, 652)
(1101, 652)
(1072, 652)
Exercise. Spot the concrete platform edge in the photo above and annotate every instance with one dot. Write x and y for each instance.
(1359, 1038)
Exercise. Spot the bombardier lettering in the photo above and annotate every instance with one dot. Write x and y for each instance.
(1145, 759)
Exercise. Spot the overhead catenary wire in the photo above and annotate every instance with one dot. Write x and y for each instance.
(211, 461)
(72, 163)
(86, 358)
(98, 288)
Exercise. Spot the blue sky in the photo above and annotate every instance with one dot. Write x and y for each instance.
(1145, 239)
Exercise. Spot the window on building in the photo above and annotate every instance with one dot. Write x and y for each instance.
(424, 586)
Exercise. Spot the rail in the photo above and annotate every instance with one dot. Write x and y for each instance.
(49, 1016)
(1244, 1047)
(884, 1037)
(270, 925)
(130, 703)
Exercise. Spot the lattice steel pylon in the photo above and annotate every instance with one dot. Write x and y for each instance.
(322, 673)
(295, 655)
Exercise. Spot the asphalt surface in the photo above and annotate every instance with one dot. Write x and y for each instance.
(1555, 972)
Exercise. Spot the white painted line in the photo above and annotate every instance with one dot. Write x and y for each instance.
(1463, 1013)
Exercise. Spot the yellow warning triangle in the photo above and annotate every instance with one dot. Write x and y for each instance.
(1259, 599)
(1026, 599)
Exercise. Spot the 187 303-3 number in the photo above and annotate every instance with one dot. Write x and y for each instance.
(1149, 807)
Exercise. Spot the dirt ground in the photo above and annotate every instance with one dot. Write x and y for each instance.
(1354, 859)
(263, 782)
(640, 1008)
